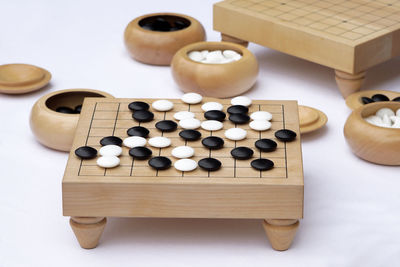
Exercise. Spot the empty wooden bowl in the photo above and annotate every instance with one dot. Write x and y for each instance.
(54, 129)
(215, 80)
(353, 101)
(158, 47)
(373, 143)
(22, 78)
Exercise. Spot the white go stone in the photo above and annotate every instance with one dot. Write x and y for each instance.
(236, 134)
(232, 54)
(212, 125)
(192, 98)
(375, 120)
(212, 106)
(196, 56)
(386, 120)
(181, 115)
(261, 116)
(214, 57)
(108, 161)
(185, 165)
(190, 124)
(182, 152)
(160, 142)
(398, 113)
(260, 125)
(134, 141)
(204, 53)
(110, 150)
(162, 105)
(385, 111)
(241, 100)
(396, 123)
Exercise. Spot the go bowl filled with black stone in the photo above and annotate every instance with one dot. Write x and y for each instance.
(366, 97)
(54, 116)
(155, 38)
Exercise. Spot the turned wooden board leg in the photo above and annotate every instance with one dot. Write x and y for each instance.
(227, 38)
(88, 230)
(349, 83)
(280, 233)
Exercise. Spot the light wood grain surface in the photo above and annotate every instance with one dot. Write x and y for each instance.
(133, 189)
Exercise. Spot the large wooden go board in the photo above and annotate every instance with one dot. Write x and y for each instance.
(133, 189)
(346, 35)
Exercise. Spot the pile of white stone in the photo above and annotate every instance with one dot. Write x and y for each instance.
(214, 57)
(385, 117)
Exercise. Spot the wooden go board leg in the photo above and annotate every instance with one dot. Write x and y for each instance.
(349, 83)
(281, 232)
(88, 230)
(227, 38)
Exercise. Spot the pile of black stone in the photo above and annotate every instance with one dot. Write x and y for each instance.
(377, 98)
(164, 23)
(68, 110)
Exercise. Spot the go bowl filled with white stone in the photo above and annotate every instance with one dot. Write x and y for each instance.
(215, 69)
(373, 132)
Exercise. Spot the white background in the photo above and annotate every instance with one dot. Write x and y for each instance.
(351, 215)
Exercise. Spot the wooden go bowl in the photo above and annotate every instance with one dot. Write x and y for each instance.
(215, 80)
(156, 47)
(373, 143)
(54, 129)
(354, 100)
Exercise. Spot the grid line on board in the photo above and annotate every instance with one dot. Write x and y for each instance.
(229, 169)
(88, 134)
(350, 20)
(113, 132)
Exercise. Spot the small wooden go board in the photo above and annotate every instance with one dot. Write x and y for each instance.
(347, 35)
(133, 189)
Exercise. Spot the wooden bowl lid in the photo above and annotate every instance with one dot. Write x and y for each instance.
(22, 78)
(311, 119)
(353, 101)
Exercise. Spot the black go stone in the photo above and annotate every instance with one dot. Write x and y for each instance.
(213, 142)
(379, 98)
(397, 99)
(285, 135)
(86, 152)
(147, 27)
(238, 109)
(266, 145)
(143, 116)
(262, 164)
(161, 25)
(209, 164)
(140, 152)
(179, 24)
(138, 105)
(138, 131)
(160, 163)
(65, 110)
(78, 109)
(166, 126)
(366, 100)
(239, 118)
(242, 152)
(215, 115)
(190, 135)
(111, 140)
